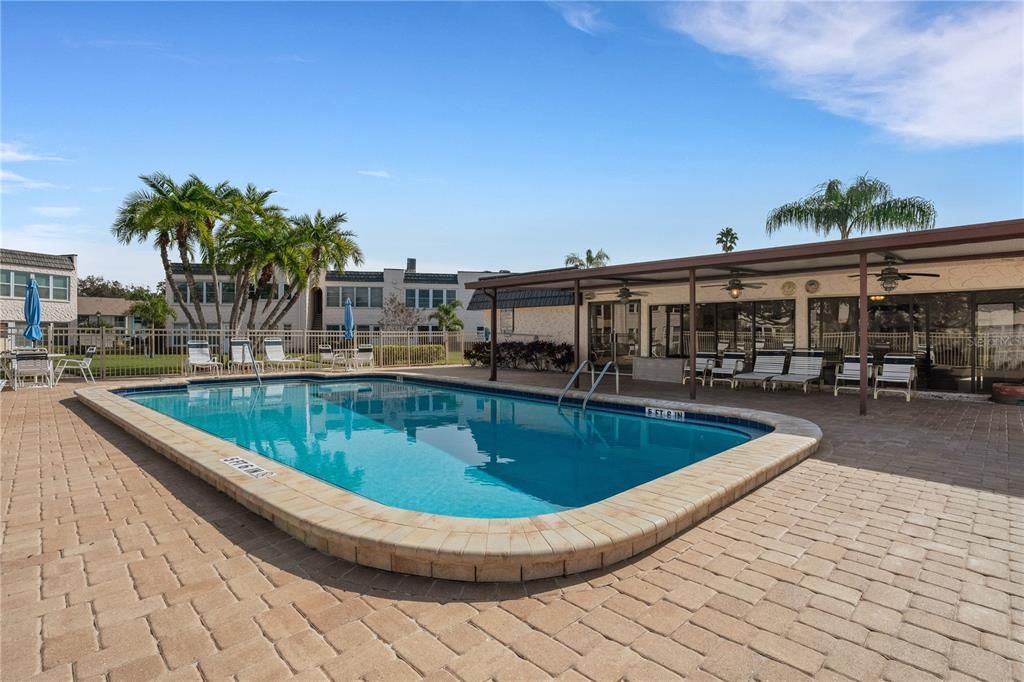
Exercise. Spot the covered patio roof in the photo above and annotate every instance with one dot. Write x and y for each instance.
(984, 240)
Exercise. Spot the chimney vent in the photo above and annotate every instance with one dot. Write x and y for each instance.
(410, 265)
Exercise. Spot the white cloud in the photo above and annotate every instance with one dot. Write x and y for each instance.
(952, 76)
(582, 16)
(56, 211)
(375, 173)
(10, 180)
(11, 152)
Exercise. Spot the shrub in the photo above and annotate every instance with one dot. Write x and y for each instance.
(422, 354)
(539, 355)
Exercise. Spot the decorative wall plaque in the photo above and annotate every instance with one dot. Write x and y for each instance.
(812, 286)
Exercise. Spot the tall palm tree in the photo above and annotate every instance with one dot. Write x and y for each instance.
(149, 215)
(257, 248)
(446, 318)
(588, 260)
(219, 201)
(322, 245)
(866, 205)
(727, 239)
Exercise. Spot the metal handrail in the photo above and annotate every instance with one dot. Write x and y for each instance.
(575, 375)
(600, 376)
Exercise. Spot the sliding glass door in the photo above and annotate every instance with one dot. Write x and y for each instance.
(615, 333)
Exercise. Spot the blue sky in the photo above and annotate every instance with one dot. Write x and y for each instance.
(494, 135)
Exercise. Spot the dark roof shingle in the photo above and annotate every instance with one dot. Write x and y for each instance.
(30, 259)
(355, 276)
(430, 278)
(521, 298)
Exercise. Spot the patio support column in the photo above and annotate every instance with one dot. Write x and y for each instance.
(576, 328)
(494, 335)
(862, 333)
(693, 334)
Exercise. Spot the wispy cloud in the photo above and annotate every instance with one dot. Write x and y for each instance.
(10, 180)
(151, 46)
(582, 16)
(11, 152)
(375, 173)
(954, 75)
(289, 59)
(56, 211)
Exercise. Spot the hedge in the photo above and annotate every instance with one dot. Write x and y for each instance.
(539, 355)
(423, 354)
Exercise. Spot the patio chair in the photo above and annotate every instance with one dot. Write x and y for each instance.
(199, 358)
(899, 372)
(274, 348)
(722, 346)
(3, 384)
(325, 354)
(363, 357)
(850, 371)
(31, 362)
(83, 366)
(732, 363)
(241, 356)
(767, 364)
(804, 367)
(705, 363)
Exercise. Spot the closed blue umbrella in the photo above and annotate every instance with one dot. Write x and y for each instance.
(349, 320)
(33, 312)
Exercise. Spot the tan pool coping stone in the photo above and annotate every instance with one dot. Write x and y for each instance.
(346, 525)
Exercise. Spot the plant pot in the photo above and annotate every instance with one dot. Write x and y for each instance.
(1008, 394)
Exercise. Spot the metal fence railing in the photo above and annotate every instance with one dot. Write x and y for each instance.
(120, 353)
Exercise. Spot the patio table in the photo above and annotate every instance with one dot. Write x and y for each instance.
(7, 358)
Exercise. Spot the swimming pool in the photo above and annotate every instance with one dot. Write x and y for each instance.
(447, 450)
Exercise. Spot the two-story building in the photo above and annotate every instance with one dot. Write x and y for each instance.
(57, 279)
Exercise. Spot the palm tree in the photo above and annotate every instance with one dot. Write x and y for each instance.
(322, 245)
(146, 215)
(589, 260)
(727, 239)
(154, 311)
(256, 248)
(866, 205)
(445, 315)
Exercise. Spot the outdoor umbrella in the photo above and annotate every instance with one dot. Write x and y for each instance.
(33, 312)
(349, 320)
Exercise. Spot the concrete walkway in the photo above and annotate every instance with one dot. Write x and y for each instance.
(896, 553)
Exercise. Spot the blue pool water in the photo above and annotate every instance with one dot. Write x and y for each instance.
(444, 450)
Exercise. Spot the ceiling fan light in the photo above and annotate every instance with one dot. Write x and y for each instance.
(876, 298)
(889, 285)
(735, 292)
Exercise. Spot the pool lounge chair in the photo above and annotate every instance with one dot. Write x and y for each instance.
(705, 363)
(31, 363)
(804, 367)
(241, 356)
(274, 349)
(363, 357)
(899, 372)
(767, 364)
(83, 366)
(732, 363)
(199, 358)
(850, 371)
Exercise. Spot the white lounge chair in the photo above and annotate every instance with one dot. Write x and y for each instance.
(705, 363)
(899, 372)
(804, 367)
(83, 366)
(767, 364)
(274, 348)
(363, 357)
(850, 371)
(732, 363)
(241, 356)
(199, 358)
(31, 362)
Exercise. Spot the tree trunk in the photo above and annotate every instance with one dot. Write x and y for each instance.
(265, 276)
(277, 315)
(169, 276)
(216, 291)
(241, 283)
(190, 280)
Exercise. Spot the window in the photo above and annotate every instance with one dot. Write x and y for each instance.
(334, 327)
(43, 282)
(376, 297)
(51, 287)
(287, 327)
(333, 297)
(666, 324)
(182, 291)
(362, 297)
(227, 292)
(438, 297)
(424, 299)
(60, 287)
(410, 298)
(207, 292)
(348, 294)
(5, 282)
(20, 283)
(450, 295)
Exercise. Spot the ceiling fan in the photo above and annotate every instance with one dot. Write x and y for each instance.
(624, 293)
(735, 286)
(889, 277)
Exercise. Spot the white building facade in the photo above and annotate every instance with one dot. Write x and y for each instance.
(57, 279)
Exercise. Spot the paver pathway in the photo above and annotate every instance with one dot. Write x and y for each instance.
(896, 553)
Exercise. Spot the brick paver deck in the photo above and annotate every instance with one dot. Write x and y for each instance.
(896, 553)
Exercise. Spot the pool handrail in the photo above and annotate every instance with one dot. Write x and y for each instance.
(575, 375)
(610, 365)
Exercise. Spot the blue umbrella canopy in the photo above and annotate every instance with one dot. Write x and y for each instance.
(33, 312)
(349, 320)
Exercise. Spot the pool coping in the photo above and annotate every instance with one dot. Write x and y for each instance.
(351, 527)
